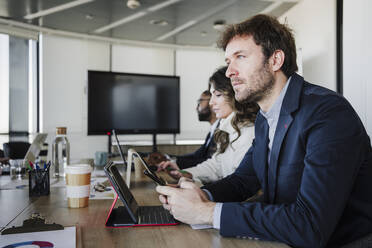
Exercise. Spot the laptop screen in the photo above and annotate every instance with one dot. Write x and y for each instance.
(35, 148)
(123, 191)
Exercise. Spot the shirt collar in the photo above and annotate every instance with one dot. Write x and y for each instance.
(214, 126)
(225, 124)
(275, 109)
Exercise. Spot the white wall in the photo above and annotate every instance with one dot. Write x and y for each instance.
(357, 40)
(142, 60)
(64, 78)
(65, 65)
(314, 26)
(195, 67)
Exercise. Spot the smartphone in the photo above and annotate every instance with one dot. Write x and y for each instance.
(155, 178)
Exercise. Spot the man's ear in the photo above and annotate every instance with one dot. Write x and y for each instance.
(277, 60)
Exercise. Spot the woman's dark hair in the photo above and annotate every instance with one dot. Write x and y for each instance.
(268, 33)
(245, 112)
(207, 93)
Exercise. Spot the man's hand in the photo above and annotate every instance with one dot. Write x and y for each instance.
(167, 165)
(188, 203)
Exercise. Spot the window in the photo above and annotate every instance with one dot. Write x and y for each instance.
(18, 85)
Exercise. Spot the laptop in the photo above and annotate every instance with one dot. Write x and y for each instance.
(35, 148)
(131, 214)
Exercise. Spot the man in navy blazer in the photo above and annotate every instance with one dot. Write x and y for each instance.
(205, 151)
(311, 155)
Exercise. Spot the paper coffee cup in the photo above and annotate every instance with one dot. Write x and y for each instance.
(78, 185)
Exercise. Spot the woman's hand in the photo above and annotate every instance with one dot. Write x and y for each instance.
(177, 174)
(167, 165)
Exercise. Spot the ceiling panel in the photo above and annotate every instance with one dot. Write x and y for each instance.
(233, 14)
(281, 9)
(88, 17)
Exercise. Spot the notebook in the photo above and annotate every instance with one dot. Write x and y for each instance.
(131, 214)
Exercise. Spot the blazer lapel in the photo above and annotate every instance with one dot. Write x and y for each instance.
(290, 104)
(282, 127)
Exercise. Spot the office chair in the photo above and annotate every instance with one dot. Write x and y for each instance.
(3, 159)
(16, 150)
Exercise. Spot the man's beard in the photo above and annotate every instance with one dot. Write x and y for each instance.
(205, 114)
(261, 83)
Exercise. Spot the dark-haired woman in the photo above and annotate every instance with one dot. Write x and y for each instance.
(233, 138)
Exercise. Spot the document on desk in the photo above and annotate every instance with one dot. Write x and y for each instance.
(60, 238)
(100, 189)
(201, 226)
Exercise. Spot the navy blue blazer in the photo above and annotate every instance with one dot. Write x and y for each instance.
(318, 186)
(204, 152)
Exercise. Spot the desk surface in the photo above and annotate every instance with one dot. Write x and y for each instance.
(16, 206)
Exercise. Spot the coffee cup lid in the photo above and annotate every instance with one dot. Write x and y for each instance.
(78, 169)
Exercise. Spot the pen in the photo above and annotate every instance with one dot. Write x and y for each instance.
(180, 171)
(31, 165)
(46, 168)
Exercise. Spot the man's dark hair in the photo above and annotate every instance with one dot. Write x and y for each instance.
(268, 33)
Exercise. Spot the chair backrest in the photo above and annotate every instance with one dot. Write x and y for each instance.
(16, 150)
(1, 153)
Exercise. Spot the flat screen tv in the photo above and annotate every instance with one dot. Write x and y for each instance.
(133, 103)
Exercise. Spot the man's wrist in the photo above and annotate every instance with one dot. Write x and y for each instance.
(217, 215)
(209, 212)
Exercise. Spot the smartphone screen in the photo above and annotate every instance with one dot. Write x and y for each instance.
(155, 178)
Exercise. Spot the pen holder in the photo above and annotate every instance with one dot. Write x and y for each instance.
(38, 182)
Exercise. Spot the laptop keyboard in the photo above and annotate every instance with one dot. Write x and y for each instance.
(152, 215)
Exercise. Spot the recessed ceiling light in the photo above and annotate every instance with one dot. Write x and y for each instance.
(89, 16)
(159, 22)
(219, 24)
(203, 33)
(136, 16)
(133, 4)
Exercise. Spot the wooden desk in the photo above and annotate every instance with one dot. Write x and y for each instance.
(12, 203)
(90, 222)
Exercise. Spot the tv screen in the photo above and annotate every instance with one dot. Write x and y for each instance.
(133, 103)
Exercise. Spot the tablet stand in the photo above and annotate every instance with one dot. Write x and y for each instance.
(118, 217)
(131, 152)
